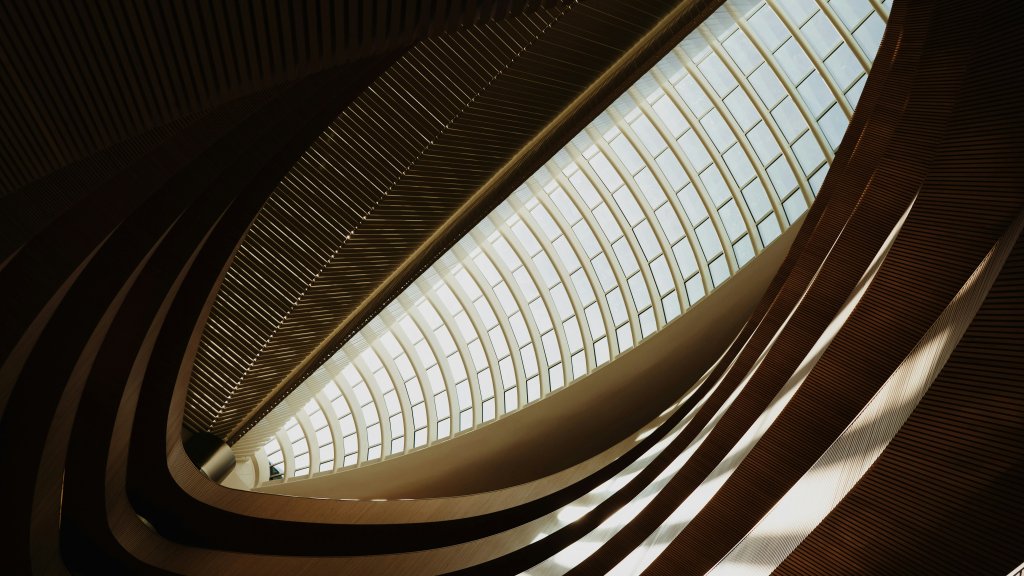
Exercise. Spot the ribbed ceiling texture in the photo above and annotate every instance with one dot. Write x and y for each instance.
(435, 128)
(703, 162)
(92, 86)
(850, 404)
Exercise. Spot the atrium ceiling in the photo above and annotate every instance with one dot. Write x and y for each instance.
(703, 161)
(722, 358)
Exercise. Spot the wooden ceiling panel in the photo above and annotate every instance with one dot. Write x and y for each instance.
(380, 182)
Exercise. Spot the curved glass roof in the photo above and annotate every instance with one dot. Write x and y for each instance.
(702, 163)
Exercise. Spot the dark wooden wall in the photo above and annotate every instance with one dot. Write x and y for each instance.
(103, 308)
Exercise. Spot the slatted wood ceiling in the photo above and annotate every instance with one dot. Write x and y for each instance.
(79, 77)
(92, 404)
(387, 174)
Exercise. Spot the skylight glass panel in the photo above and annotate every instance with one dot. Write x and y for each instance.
(693, 96)
(743, 52)
(546, 223)
(769, 230)
(574, 338)
(670, 223)
(782, 177)
(732, 220)
(767, 87)
(685, 258)
(742, 109)
(629, 207)
(766, 24)
(764, 143)
(718, 130)
(563, 305)
(624, 337)
(649, 135)
(833, 125)
(692, 204)
(638, 288)
(652, 192)
(798, 10)
(648, 241)
(739, 165)
(585, 189)
(662, 274)
(627, 154)
(609, 176)
(757, 201)
(821, 34)
(851, 12)
(844, 66)
(710, 158)
(788, 118)
(672, 170)
(714, 184)
(869, 34)
(717, 74)
(808, 153)
(695, 150)
(815, 94)
(670, 115)
(710, 243)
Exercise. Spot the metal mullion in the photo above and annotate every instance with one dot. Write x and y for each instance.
(448, 320)
(261, 466)
(521, 303)
(691, 237)
(716, 157)
(312, 447)
(577, 306)
(585, 266)
(846, 35)
(409, 347)
(666, 248)
(404, 406)
(492, 299)
(333, 368)
(421, 370)
(583, 165)
(882, 11)
(334, 425)
(692, 175)
(286, 452)
(812, 123)
(378, 402)
(759, 168)
(818, 64)
(435, 348)
(476, 403)
(545, 297)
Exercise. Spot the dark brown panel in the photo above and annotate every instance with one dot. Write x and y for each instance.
(945, 495)
(79, 77)
(245, 155)
(938, 116)
(927, 265)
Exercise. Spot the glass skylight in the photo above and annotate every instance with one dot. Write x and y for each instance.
(703, 162)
